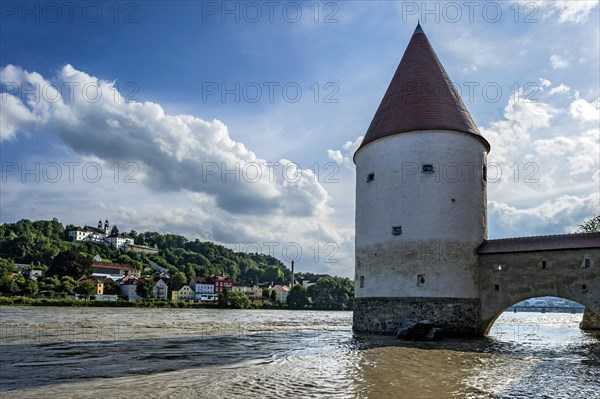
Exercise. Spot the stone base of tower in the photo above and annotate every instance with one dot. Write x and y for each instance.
(591, 320)
(457, 316)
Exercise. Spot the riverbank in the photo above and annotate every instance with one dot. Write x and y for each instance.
(24, 301)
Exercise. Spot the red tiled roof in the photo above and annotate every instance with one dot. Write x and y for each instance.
(115, 266)
(129, 278)
(541, 243)
(420, 96)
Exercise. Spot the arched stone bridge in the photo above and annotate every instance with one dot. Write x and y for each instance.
(515, 269)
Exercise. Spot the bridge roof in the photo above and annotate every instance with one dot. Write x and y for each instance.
(541, 243)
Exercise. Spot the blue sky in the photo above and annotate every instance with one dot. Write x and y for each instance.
(178, 93)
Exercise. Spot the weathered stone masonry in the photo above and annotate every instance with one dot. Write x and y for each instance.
(382, 315)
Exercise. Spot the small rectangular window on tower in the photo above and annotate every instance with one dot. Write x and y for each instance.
(587, 262)
(371, 177)
(420, 280)
(427, 168)
(397, 230)
(362, 281)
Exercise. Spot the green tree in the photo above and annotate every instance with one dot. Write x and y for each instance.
(590, 226)
(123, 258)
(178, 279)
(272, 273)
(86, 287)
(8, 285)
(20, 281)
(49, 285)
(238, 300)
(224, 298)
(68, 284)
(111, 288)
(70, 263)
(114, 231)
(332, 293)
(145, 288)
(30, 288)
(297, 297)
(7, 266)
(273, 296)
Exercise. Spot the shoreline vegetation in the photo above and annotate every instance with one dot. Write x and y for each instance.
(67, 302)
(43, 262)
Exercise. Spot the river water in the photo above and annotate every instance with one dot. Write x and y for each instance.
(54, 352)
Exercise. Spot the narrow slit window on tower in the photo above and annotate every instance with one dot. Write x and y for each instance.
(420, 280)
(362, 281)
(396, 230)
(370, 177)
(427, 168)
(496, 287)
(544, 264)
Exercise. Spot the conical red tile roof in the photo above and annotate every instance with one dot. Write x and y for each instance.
(420, 97)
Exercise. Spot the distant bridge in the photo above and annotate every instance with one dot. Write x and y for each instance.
(543, 309)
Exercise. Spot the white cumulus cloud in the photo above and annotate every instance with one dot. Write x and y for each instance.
(344, 156)
(560, 89)
(174, 152)
(558, 62)
(583, 110)
(574, 11)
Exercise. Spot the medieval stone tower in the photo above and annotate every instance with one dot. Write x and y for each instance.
(420, 202)
(422, 251)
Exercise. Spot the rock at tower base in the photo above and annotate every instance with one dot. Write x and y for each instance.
(423, 330)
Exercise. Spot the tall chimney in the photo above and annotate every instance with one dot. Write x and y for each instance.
(292, 280)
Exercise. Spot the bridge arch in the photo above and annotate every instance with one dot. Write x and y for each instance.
(514, 270)
(488, 322)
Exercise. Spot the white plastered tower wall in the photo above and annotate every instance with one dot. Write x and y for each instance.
(439, 215)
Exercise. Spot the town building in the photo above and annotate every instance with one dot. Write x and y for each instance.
(282, 293)
(160, 290)
(182, 292)
(120, 241)
(32, 274)
(221, 282)
(252, 291)
(101, 234)
(128, 288)
(117, 269)
(204, 289)
(99, 283)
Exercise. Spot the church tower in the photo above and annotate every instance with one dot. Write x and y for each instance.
(106, 228)
(420, 203)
